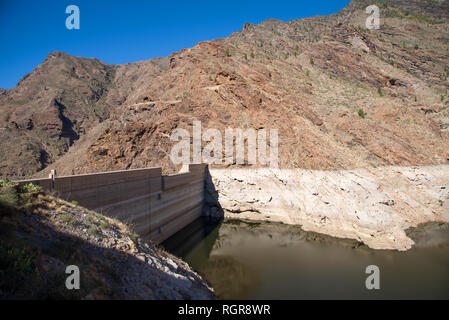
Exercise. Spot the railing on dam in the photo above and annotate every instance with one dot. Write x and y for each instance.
(156, 206)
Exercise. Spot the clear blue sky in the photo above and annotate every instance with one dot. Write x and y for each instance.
(121, 31)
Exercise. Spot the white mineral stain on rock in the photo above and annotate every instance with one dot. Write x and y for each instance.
(372, 205)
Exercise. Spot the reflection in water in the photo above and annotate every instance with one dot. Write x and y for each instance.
(243, 260)
(230, 278)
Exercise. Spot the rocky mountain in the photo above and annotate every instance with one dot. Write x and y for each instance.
(341, 96)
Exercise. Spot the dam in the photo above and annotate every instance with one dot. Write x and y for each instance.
(243, 259)
(155, 205)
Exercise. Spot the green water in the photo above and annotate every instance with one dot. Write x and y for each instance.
(242, 260)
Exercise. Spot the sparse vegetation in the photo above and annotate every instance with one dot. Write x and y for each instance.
(34, 251)
(379, 91)
(134, 236)
(30, 188)
(15, 197)
(362, 114)
(104, 225)
(228, 53)
(68, 219)
(9, 198)
(93, 231)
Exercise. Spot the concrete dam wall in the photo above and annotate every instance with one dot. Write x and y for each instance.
(156, 206)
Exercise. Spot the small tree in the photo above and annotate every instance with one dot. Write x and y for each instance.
(312, 62)
(228, 54)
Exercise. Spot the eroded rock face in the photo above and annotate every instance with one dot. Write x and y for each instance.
(374, 206)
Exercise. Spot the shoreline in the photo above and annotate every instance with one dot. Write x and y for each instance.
(374, 206)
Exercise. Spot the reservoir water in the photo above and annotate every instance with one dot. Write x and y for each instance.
(247, 260)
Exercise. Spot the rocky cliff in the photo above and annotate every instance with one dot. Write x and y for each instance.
(374, 206)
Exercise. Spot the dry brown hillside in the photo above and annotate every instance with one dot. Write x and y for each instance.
(341, 95)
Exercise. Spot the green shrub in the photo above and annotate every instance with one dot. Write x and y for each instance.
(379, 91)
(16, 261)
(362, 114)
(228, 54)
(74, 202)
(30, 188)
(68, 219)
(9, 198)
(6, 183)
(93, 231)
(26, 201)
(312, 62)
(104, 225)
(134, 236)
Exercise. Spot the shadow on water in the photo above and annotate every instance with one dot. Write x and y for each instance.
(243, 260)
(202, 232)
